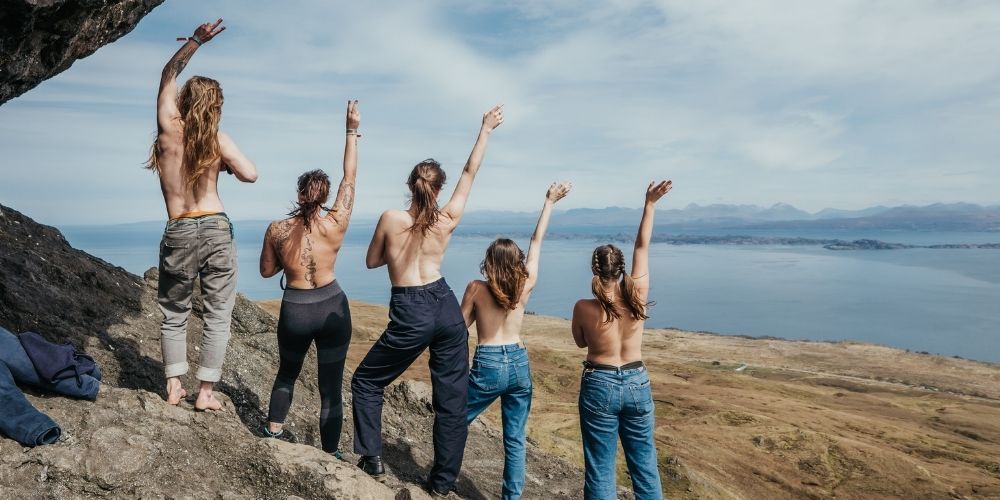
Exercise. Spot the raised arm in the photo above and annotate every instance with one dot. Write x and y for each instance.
(343, 205)
(640, 254)
(456, 205)
(556, 192)
(376, 249)
(167, 112)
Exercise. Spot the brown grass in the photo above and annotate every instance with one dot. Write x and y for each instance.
(805, 419)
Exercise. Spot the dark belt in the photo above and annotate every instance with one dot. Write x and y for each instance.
(611, 368)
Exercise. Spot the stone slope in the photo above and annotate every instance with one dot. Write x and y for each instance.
(41, 38)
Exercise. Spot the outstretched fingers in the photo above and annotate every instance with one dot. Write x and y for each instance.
(656, 190)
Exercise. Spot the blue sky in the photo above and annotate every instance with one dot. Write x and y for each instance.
(841, 104)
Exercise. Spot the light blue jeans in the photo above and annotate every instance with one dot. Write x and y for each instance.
(618, 404)
(502, 371)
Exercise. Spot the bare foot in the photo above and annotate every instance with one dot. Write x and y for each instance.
(175, 391)
(207, 401)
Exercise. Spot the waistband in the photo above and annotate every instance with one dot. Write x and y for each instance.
(312, 295)
(635, 365)
(195, 215)
(434, 285)
(501, 348)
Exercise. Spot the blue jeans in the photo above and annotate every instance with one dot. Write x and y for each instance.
(502, 371)
(618, 404)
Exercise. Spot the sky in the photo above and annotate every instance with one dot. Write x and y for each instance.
(843, 104)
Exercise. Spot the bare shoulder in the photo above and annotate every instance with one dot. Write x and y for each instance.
(278, 231)
(395, 219)
(584, 307)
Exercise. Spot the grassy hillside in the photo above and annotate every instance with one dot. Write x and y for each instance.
(804, 419)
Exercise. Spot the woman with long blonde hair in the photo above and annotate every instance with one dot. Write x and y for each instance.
(500, 365)
(188, 156)
(615, 395)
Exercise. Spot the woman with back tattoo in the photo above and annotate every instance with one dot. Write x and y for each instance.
(313, 307)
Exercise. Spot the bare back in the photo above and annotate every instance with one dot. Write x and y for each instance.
(494, 324)
(413, 258)
(619, 341)
(307, 257)
(179, 198)
(615, 343)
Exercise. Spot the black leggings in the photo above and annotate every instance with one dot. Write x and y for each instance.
(321, 315)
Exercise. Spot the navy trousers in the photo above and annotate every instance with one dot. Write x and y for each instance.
(419, 317)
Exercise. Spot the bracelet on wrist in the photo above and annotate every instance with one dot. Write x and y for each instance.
(196, 39)
(353, 131)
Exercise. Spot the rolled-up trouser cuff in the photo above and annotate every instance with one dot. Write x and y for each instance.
(46, 432)
(176, 369)
(209, 374)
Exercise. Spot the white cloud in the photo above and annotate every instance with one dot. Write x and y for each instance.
(738, 102)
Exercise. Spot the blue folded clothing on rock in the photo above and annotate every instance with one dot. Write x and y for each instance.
(55, 362)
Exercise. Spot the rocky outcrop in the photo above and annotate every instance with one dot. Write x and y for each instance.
(129, 443)
(41, 38)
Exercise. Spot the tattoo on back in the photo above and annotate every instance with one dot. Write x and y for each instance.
(307, 261)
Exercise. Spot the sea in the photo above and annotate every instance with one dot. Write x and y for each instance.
(939, 301)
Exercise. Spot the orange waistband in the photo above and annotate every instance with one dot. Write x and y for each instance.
(193, 214)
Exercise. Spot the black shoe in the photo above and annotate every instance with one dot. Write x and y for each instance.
(372, 466)
(435, 492)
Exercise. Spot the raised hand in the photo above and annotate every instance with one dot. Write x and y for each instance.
(558, 191)
(205, 32)
(657, 190)
(353, 115)
(493, 118)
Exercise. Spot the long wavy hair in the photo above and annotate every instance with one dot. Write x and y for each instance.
(200, 104)
(505, 272)
(608, 265)
(425, 182)
(313, 189)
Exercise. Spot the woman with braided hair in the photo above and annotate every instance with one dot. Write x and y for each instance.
(500, 366)
(313, 308)
(615, 395)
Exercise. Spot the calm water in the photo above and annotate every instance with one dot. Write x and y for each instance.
(941, 301)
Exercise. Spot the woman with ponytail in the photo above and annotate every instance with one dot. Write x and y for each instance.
(313, 308)
(615, 395)
(500, 366)
(423, 312)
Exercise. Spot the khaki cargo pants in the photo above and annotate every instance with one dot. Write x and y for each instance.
(192, 248)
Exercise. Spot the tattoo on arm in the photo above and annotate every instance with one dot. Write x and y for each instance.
(345, 198)
(180, 60)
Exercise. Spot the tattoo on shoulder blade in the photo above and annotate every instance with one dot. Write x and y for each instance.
(280, 232)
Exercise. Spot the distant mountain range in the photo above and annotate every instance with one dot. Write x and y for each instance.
(936, 217)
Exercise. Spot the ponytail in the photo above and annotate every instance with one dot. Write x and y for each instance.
(314, 189)
(425, 182)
